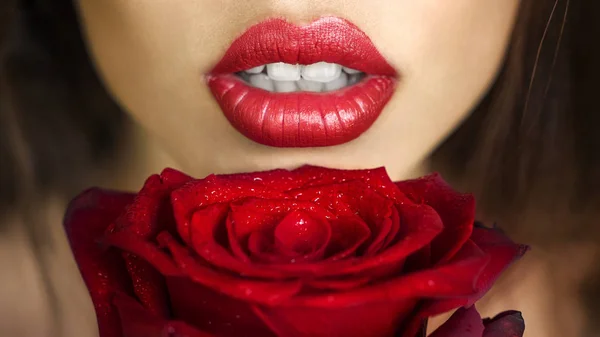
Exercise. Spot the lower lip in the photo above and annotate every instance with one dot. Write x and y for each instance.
(302, 119)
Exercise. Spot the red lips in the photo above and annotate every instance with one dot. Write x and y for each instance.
(303, 119)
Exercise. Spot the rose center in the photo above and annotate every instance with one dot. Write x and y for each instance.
(298, 236)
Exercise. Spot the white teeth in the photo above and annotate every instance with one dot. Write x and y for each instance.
(318, 77)
(256, 70)
(312, 86)
(321, 72)
(350, 70)
(285, 86)
(354, 78)
(338, 83)
(283, 71)
(262, 81)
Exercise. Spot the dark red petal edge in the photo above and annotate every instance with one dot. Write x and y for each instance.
(456, 210)
(501, 251)
(463, 323)
(454, 279)
(507, 324)
(102, 269)
(140, 322)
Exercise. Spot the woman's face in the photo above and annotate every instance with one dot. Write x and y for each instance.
(158, 59)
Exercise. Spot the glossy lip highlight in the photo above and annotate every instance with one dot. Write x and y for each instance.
(303, 119)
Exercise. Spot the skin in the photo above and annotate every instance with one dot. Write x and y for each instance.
(152, 56)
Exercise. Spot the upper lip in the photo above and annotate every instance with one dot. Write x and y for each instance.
(328, 39)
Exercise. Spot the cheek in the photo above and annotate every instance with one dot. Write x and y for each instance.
(449, 53)
(152, 56)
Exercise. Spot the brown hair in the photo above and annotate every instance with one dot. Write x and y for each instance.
(531, 147)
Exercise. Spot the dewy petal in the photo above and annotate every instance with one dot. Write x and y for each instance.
(131, 243)
(255, 215)
(263, 216)
(212, 311)
(463, 323)
(377, 179)
(103, 271)
(348, 233)
(149, 214)
(394, 230)
(141, 216)
(299, 232)
(508, 324)
(269, 293)
(174, 178)
(372, 319)
(214, 189)
(456, 210)
(420, 225)
(354, 198)
(388, 231)
(501, 253)
(206, 224)
(454, 279)
(298, 238)
(148, 284)
(139, 322)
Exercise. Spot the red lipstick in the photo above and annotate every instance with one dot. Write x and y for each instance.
(302, 118)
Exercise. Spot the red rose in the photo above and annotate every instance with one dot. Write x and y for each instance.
(309, 252)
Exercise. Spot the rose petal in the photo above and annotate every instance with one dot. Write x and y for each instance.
(280, 179)
(212, 311)
(507, 324)
(130, 242)
(501, 253)
(463, 323)
(422, 224)
(205, 226)
(372, 319)
(454, 279)
(456, 210)
(256, 215)
(261, 215)
(252, 215)
(298, 238)
(377, 179)
(174, 178)
(348, 233)
(269, 293)
(148, 284)
(302, 234)
(338, 284)
(141, 216)
(102, 269)
(149, 214)
(392, 235)
(354, 197)
(139, 322)
(220, 189)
